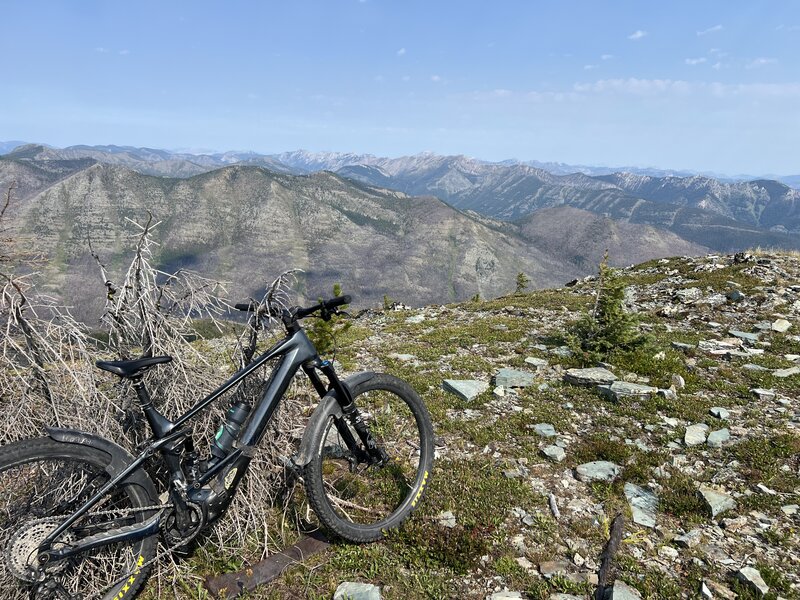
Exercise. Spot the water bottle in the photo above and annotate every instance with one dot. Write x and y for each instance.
(228, 431)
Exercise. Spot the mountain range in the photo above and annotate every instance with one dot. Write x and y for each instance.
(420, 229)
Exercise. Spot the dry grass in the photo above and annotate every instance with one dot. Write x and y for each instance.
(48, 377)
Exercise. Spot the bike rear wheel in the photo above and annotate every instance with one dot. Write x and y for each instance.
(358, 501)
(41, 482)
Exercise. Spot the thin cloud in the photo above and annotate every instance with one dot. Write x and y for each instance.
(757, 63)
(589, 67)
(101, 50)
(637, 35)
(606, 56)
(124, 52)
(632, 85)
(695, 61)
(401, 52)
(436, 78)
(713, 29)
(655, 87)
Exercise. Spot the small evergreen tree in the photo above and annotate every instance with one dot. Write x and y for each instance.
(522, 283)
(323, 333)
(608, 326)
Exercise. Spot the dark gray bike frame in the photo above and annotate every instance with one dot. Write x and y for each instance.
(296, 352)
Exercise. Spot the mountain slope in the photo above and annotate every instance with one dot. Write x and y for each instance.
(246, 224)
(582, 238)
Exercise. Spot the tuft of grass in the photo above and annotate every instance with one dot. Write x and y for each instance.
(680, 499)
(762, 457)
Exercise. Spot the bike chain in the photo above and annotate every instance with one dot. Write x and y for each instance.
(123, 512)
(168, 550)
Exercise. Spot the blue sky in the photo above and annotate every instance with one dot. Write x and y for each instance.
(707, 86)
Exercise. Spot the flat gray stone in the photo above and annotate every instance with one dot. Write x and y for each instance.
(782, 373)
(781, 326)
(752, 367)
(446, 519)
(717, 502)
(622, 591)
(545, 429)
(350, 590)
(598, 470)
(564, 597)
(554, 567)
(511, 378)
(717, 438)
(735, 296)
(668, 393)
(505, 596)
(763, 394)
(719, 412)
(689, 539)
(554, 453)
(539, 363)
(643, 503)
(689, 295)
(590, 377)
(415, 319)
(622, 389)
(743, 335)
(682, 346)
(402, 357)
(678, 381)
(695, 434)
(752, 579)
(466, 389)
(562, 351)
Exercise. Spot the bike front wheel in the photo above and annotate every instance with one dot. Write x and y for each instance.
(41, 482)
(361, 501)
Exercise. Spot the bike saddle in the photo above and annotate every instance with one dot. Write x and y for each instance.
(131, 368)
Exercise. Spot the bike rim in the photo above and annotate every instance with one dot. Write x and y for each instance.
(368, 495)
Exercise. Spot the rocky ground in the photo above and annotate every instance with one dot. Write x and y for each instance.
(694, 439)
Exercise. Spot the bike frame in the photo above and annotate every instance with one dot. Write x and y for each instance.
(214, 489)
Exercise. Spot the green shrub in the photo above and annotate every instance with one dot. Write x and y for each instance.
(607, 327)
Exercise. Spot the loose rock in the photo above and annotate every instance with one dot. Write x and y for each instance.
(717, 438)
(554, 453)
(545, 429)
(357, 591)
(589, 377)
(695, 434)
(622, 591)
(752, 579)
(781, 326)
(466, 389)
(716, 501)
(511, 378)
(643, 505)
(719, 412)
(621, 389)
(598, 470)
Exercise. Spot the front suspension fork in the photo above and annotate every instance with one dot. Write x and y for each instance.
(374, 455)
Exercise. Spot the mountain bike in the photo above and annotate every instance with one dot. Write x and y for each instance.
(80, 516)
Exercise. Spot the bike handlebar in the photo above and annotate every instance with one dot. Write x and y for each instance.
(298, 312)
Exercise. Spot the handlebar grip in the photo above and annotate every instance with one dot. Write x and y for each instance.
(338, 301)
(246, 306)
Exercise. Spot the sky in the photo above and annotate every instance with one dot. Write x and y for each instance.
(710, 86)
